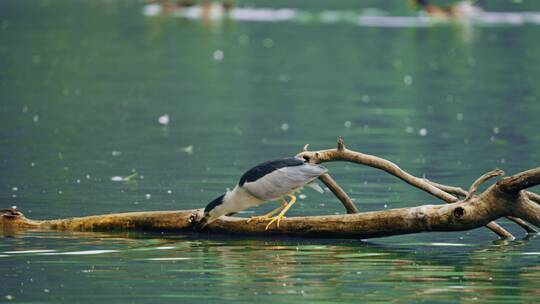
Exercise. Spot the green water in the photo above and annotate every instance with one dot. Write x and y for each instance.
(82, 85)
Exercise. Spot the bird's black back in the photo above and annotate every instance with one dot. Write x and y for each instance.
(267, 167)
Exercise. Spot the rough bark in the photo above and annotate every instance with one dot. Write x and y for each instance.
(504, 198)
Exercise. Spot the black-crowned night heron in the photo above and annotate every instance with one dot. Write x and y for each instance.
(271, 180)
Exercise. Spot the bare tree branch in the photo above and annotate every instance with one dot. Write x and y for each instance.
(514, 184)
(504, 198)
(479, 181)
(341, 153)
(339, 193)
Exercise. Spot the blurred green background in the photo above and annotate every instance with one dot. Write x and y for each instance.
(83, 84)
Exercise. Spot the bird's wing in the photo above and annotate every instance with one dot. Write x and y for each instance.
(284, 180)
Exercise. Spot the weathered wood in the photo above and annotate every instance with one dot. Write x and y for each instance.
(459, 216)
(341, 153)
(504, 198)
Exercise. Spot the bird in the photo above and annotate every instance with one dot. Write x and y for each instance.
(267, 181)
(461, 9)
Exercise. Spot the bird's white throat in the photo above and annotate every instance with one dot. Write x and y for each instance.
(237, 200)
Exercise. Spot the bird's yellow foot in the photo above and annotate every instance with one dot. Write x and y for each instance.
(276, 219)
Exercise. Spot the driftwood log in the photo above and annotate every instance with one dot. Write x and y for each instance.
(464, 209)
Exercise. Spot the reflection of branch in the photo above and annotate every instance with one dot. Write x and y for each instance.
(341, 153)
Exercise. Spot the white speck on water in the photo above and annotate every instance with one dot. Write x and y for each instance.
(148, 196)
(60, 192)
(25, 109)
(88, 176)
(218, 55)
(283, 77)
(268, 43)
(409, 129)
(9, 297)
(385, 206)
(365, 98)
(35, 118)
(78, 181)
(422, 132)
(169, 191)
(302, 196)
(36, 59)
(408, 80)
(117, 178)
(164, 119)
(459, 116)
(496, 130)
(13, 207)
(284, 127)
(347, 124)
(243, 39)
(503, 161)
(188, 149)
(116, 153)
(45, 290)
(321, 204)
(492, 138)
(32, 164)
(14, 189)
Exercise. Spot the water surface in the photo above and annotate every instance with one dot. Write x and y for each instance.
(83, 84)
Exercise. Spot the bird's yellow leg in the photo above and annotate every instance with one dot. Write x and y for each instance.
(268, 216)
(281, 215)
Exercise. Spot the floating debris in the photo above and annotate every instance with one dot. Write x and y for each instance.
(188, 149)
(218, 55)
(408, 80)
(347, 124)
(422, 132)
(268, 43)
(116, 153)
(129, 178)
(164, 119)
(148, 196)
(284, 127)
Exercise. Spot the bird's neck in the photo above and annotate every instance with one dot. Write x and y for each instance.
(241, 197)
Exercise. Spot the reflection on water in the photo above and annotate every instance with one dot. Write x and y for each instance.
(369, 17)
(106, 110)
(188, 267)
